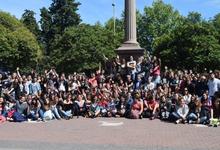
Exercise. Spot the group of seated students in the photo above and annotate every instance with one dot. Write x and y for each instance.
(134, 91)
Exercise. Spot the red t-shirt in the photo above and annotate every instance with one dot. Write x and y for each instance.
(103, 103)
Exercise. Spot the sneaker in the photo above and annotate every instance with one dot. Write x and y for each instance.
(178, 121)
(192, 122)
(152, 118)
(140, 116)
(184, 121)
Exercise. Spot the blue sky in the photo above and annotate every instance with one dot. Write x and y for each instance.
(92, 11)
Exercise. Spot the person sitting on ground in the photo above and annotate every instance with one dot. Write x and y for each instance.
(187, 96)
(66, 107)
(164, 108)
(112, 111)
(2, 110)
(54, 100)
(174, 105)
(206, 109)
(21, 107)
(81, 103)
(121, 106)
(46, 109)
(34, 112)
(137, 107)
(182, 111)
(94, 109)
(194, 110)
(103, 104)
(151, 106)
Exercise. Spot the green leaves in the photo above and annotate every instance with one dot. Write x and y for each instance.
(30, 22)
(18, 46)
(193, 45)
(54, 21)
(156, 21)
(81, 48)
(181, 42)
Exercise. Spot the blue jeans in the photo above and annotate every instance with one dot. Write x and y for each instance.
(4, 113)
(156, 79)
(175, 115)
(65, 114)
(204, 120)
(55, 112)
(33, 115)
(192, 116)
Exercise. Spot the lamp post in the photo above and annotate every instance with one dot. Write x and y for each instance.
(113, 7)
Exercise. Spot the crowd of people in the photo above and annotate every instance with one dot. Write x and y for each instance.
(132, 89)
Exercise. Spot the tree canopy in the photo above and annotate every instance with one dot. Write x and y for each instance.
(18, 46)
(30, 22)
(60, 15)
(82, 48)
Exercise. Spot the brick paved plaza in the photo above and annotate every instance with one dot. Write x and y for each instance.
(108, 133)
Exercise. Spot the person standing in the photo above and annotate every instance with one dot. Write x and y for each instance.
(213, 85)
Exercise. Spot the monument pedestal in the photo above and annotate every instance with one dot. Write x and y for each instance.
(130, 49)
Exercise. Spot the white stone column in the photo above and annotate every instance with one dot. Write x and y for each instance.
(130, 21)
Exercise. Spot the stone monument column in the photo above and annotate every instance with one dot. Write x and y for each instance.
(130, 47)
(130, 21)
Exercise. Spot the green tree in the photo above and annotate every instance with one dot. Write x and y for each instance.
(30, 22)
(64, 14)
(54, 20)
(18, 46)
(119, 30)
(46, 32)
(81, 48)
(156, 21)
(216, 21)
(190, 46)
(194, 17)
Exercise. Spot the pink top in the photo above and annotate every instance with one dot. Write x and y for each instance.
(156, 71)
(93, 82)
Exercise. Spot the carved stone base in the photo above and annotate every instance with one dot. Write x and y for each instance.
(129, 49)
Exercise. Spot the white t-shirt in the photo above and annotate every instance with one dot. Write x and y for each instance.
(187, 98)
(132, 66)
(62, 87)
(213, 86)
